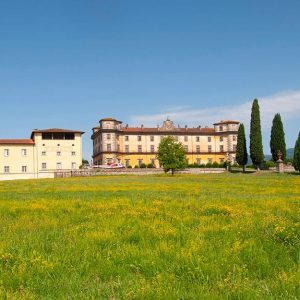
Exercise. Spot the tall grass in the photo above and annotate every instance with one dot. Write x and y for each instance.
(225, 236)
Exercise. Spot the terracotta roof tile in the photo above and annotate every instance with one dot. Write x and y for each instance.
(16, 142)
(227, 122)
(57, 130)
(110, 119)
(156, 130)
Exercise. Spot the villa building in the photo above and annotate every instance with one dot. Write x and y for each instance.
(113, 142)
(46, 151)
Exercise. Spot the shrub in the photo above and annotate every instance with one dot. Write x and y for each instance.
(143, 166)
(150, 166)
(251, 166)
(224, 164)
(208, 165)
(215, 165)
(270, 164)
(136, 167)
(129, 167)
(194, 165)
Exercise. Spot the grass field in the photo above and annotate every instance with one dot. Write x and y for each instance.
(223, 236)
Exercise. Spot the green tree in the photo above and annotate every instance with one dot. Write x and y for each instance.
(277, 142)
(241, 147)
(171, 155)
(296, 161)
(256, 147)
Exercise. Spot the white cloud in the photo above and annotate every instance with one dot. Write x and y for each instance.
(286, 103)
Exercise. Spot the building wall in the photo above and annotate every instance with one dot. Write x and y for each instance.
(17, 161)
(54, 152)
(112, 143)
(41, 158)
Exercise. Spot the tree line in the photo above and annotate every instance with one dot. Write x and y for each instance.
(172, 156)
(277, 141)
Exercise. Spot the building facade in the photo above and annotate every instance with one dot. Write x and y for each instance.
(40, 156)
(132, 146)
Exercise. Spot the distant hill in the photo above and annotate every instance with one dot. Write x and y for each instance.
(289, 154)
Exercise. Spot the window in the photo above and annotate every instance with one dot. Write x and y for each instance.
(198, 161)
(58, 153)
(198, 148)
(43, 153)
(126, 138)
(44, 166)
(221, 160)
(221, 148)
(209, 138)
(176, 138)
(234, 147)
(221, 128)
(152, 148)
(58, 136)
(70, 136)
(186, 148)
(73, 165)
(152, 161)
(185, 138)
(151, 138)
(58, 145)
(108, 136)
(234, 138)
(197, 138)
(6, 169)
(24, 169)
(221, 138)
(127, 163)
(73, 153)
(58, 166)
(47, 136)
(139, 138)
(161, 137)
(24, 152)
(209, 148)
(6, 152)
(210, 160)
(108, 147)
(139, 148)
(126, 148)
(140, 161)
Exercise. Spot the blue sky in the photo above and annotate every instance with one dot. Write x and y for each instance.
(69, 63)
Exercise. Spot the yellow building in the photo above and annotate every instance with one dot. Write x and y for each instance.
(113, 142)
(40, 156)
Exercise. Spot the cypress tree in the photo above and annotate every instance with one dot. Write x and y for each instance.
(296, 161)
(256, 147)
(277, 142)
(241, 147)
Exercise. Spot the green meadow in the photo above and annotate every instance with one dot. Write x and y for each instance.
(217, 236)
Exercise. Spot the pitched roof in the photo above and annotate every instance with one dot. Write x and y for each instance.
(156, 130)
(57, 130)
(227, 122)
(110, 119)
(16, 142)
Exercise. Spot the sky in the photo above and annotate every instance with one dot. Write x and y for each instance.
(69, 63)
